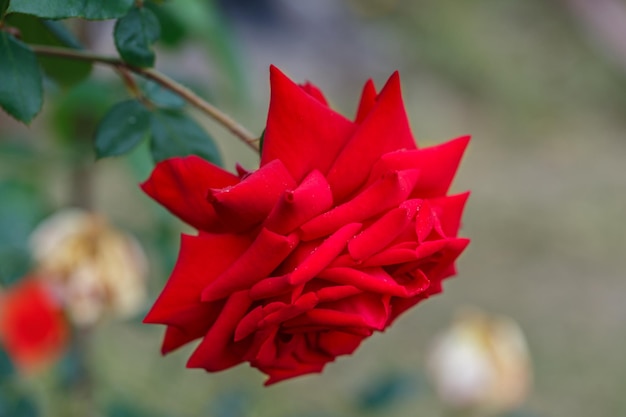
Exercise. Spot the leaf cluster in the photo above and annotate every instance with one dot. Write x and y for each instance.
(27, 27)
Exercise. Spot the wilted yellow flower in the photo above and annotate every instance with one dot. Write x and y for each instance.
(96, 268)
(481, 364)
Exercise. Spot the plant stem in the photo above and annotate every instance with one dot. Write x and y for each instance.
(161, 79)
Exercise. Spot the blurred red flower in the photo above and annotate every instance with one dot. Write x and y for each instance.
(33, 329)
(344, 226)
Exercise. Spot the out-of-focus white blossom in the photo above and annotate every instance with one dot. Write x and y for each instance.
(95, 268)
(481, 364)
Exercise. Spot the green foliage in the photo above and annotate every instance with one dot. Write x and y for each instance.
(21, 209)
(176, 134)
(230, 404)
(4, 4)
(385, 391)
(6, 367)
(134, 35)
(61, 9)
(123, 127)
(173, 29)
(61, 33)
(160, 96)
(16, 404)
(123, 409)
(49, 32)
(21, 92)
(78, 112)
(261, 141)
(15, 263)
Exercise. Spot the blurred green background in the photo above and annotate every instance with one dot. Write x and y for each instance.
(541, 86)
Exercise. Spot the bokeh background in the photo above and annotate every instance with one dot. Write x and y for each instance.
(540, 85)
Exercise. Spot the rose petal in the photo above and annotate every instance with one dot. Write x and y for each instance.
(438, 267)
(449, 210)
(176, 337)
(382, 195)
(391, 256)
(302, 304)
(437, 165)
(337, 343)
(374, 280)
(247, 203)
(367, 102)
(302, 132)
(311, 198)
(241, 171)
(180, 299)
(424, 221)
(277, 375)
(262, 257)
(379, 234)
(217, 350)
(270, 287)
(429, 248)
(324, 254)
(315, 92)
(373, 309)
(327, 318)
(387, 120)
(181, 184)
(329, 292)
(249, 323)
(400, 305)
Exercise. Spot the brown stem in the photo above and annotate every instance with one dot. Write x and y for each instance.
(192, 98)
(132, 86)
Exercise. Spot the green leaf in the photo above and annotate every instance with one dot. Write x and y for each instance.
(125, 409)
(122, 128)
(173, 29)
(175, 134)
(23, 406)
(134, 35)
(21, 209)
(4, 4)
(61, 9)
(160, 96)
(6, 366)
(386, 390)
(261, 141)
(15, 264)
(49, 32)
(21, 91)
(78, 111)
(60, 32)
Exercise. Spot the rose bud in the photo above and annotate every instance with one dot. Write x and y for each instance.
(481, 364)
(344, 226)
(33, 329)
(95, 268)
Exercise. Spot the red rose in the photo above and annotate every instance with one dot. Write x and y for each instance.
(344, 226)
(33, 329)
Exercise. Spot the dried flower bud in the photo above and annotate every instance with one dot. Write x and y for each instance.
(95, 268)
(481, 364)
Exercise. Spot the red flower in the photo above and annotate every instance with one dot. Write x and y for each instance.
(33, 329)
(344, 226)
